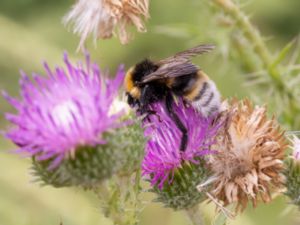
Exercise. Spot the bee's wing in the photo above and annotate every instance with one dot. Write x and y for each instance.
(185, 56)
(177, 65)
(173, 69)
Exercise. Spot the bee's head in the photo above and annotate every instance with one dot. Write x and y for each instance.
(134, 77)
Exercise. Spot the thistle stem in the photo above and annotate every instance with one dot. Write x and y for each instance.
(194, 215)
(108, 203)
(252, 34)
(120, 199)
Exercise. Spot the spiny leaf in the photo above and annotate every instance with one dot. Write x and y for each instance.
(282, 54)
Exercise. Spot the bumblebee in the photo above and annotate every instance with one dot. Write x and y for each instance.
(148, 82)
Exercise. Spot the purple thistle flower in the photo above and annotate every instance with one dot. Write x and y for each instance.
(68, 108)
(163, 156)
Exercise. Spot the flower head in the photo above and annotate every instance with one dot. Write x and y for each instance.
(296, 148)
(248, 163)
(63, 111)
(292, 172)
(163, 156)
(104, 17)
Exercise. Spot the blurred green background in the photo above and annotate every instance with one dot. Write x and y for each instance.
(31, 31)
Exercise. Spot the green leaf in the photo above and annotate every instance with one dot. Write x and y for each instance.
(282, 54)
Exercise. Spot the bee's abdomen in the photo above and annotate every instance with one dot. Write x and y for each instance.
(204, 96)
(184, 84)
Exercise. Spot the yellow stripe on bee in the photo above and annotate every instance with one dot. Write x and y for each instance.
(135, 93)
(128, 82)
(202, 78)
(129, 85)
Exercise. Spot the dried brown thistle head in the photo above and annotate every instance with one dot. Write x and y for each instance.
(249, 161)
(104, 18)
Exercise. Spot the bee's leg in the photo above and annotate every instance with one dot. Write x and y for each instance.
(177, 121)
(145, 101)
(152, 112)
(149, 113)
